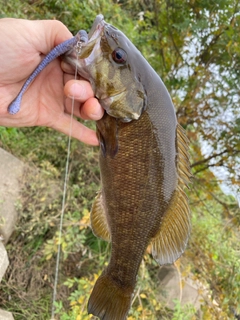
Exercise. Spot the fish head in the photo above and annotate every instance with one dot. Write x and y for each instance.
(112, 64)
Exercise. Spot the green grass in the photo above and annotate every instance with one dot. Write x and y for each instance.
(212, 256)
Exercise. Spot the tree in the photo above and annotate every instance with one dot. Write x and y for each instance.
(194, 46)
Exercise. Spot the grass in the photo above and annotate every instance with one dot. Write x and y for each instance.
(212, 256)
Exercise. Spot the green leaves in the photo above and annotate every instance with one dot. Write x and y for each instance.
(194, 46)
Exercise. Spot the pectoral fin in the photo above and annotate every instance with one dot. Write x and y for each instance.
(99, 220)
(171, 239)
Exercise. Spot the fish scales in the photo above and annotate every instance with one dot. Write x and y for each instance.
(144, 162)
(144, 166)
(128, 181)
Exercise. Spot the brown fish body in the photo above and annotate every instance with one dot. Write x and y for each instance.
(137, 186)
(144, 167)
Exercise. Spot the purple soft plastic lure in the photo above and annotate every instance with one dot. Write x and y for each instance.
(60, 49)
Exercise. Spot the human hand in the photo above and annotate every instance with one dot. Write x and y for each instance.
(23, 45)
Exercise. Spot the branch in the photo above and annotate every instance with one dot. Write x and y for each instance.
(172, 38)
(217, 36)
(208, 166)
(209, 158)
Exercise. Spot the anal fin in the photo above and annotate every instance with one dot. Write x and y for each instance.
(99, 220)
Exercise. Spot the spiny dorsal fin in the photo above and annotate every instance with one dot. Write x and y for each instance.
(99, 220)
(171, 239)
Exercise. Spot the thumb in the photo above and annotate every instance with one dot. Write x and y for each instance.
(50, 34)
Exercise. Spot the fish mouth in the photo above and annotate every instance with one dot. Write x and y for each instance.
(98, 22)
(93, 43)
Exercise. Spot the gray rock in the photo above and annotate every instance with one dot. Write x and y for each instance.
(190, 293)
(4, 315)
(186, 290)
(3, 261)
(170, 285)
(11, 171)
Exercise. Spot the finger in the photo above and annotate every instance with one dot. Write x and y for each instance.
(78, 130)
(50, 34)
(67, 77)
(71, 76)
(75, 105)
(80, 90)
(67, 68)
(91, 110)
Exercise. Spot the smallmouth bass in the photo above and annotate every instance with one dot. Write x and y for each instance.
(144, 166)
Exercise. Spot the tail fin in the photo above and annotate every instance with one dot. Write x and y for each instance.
(109, 301)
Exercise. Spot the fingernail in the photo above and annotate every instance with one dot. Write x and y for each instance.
(76, 91)
(96, 115)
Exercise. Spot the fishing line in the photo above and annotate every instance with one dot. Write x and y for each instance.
(64, 195)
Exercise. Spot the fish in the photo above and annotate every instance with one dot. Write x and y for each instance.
(144, 166)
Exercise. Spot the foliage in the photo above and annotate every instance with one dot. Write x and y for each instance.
(194, 46)
(214, 252)
(183, 313)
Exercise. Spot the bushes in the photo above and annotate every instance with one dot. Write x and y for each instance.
(213, 252)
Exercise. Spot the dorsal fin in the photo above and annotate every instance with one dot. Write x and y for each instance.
(99, 220)
(171, 239)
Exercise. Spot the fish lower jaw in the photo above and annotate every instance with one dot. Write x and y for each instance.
(107, 104)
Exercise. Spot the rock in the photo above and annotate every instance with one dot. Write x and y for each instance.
(11, 171)
(4, 315)
(190, 293)
(186, 290)
(3, 261)
(170, 285)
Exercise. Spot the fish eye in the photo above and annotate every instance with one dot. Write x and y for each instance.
(119, 55)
